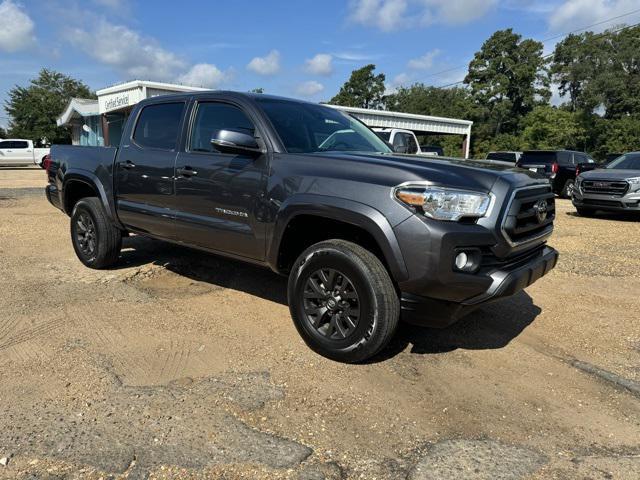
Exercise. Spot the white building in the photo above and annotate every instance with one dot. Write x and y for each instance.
(419, 124)
(100, 122)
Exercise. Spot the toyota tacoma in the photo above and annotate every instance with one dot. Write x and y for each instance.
(366, 236)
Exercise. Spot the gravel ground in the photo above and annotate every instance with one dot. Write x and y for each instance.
(179, 365)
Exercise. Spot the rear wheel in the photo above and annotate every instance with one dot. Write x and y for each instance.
(95, 239)
(343, 301)
(567, 190)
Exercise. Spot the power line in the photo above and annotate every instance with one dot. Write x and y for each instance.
(551, 54)
(452, 69)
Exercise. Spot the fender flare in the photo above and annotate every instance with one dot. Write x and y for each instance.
(347, 211)
(76, 175)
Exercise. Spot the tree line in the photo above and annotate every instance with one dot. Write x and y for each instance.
(507, 92)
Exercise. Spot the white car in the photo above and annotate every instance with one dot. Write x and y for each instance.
(403, 141)
(20, 152)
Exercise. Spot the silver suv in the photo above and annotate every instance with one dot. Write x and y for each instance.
(613, 188)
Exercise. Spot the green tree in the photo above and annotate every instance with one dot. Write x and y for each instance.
(618, 135)
(427, 100)
(3, 133)
(364, 89)
(33, 109)
(552, 128)
(508, 77)
(576, 62)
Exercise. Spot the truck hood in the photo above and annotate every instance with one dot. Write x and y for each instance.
(470, 174)
(609, 174)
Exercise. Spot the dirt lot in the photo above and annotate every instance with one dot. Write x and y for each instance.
(179, 365)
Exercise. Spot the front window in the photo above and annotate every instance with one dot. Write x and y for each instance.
(309, 128)
(628, 161)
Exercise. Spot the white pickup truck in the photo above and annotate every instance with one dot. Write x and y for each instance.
(20, 152)
(403, 141)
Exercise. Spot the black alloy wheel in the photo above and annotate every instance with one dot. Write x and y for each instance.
(86, 234)
(331, 304)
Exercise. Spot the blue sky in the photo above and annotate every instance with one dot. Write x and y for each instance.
(301, 48)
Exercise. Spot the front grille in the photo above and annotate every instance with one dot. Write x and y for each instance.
(605, 187)
(491, 261)
(530, 215)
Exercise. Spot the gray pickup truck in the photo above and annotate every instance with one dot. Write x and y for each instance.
(615, 188)
(366, 236)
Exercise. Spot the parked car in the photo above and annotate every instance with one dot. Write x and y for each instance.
(504, 156)
(20, 152)
(613, 188)
(402, 141)
(366, 236)
(560, 166)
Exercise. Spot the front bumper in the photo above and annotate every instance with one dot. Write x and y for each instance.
(504, 282)
(628, 203)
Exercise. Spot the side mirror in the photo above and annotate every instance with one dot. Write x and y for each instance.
(401, 149)
(232, 141)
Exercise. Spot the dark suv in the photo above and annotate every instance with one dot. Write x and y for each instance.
(560, 166)
(366, 236)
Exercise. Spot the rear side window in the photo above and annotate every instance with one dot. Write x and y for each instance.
(158, 126)
(502, 156)
(412, 146)
(538, 158)
(217, 116)
(5, 144)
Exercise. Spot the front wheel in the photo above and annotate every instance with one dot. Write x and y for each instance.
(342, 301)
(96, 241)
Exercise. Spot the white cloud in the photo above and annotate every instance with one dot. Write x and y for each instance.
(580, 13)
(268, 65)
(205, 75)
(142, 58)
(309, 89)
(16, 31)
(127, 51)
(320, 64)
(425, 62)
(115, 4)
(388, 15)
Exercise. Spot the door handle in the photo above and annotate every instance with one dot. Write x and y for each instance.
(186, 171)
(128, 165)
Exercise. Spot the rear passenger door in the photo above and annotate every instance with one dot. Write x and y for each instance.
(219, 195)
(145, 170)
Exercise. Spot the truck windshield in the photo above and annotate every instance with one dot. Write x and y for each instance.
(629, 161)
(309, 128)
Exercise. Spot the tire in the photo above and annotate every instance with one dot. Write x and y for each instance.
(567, 190)
(586, 212)
(95, 239)
(360, 315)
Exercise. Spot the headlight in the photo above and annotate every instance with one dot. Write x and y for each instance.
(634, 180)
(444, 203)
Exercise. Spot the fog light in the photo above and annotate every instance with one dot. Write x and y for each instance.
(461, 260)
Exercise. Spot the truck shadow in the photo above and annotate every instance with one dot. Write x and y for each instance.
(491, 327)
(611, 216)
(488, 328)
(204, 267)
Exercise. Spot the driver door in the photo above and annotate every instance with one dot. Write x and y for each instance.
(218, 195)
